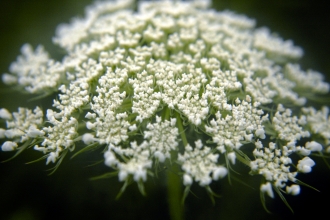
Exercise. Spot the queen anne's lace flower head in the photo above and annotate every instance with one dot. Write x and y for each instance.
(177, 84)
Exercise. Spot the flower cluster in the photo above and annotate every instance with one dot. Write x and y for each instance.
(172, 83)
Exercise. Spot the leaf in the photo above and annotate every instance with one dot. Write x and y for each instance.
(283, 198)
(105, 176)
(19, 151)
(185, 194)
(243, 157)
(263, 201)
(58, 162)
(324, 158)
(242, 182)
(141, 188)
(96, 163)
(43, 95)
(37, 160)
(305, 184)
(123, 188)
(211, 194)
(228, 166)
(90, 147)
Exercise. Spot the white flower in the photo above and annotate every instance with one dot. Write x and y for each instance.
(35, 71)
(267, 188)
(5, 114)
(162, 138)
(88, 138)
(199, 163)
(187, 180)
(313, 146)
(305, 165)
(220, 172)
(9, 146)
(273, 164)
(308, 81)
(23, 125)
(241, 123)
(146, 84)
(287, 126)
(52, 157)
(319, 122)
(293, 189)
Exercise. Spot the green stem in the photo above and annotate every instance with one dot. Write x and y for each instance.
(181, 130)
(174, 182)
(174, 190)
(166, 113)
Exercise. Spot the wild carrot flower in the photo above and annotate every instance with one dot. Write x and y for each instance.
(172, 84)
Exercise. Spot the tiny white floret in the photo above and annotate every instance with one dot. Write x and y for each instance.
(293, 189)
(219, 172)
(9, 146)
(5, 114)
(88, 138)
(305, 165)
(313, 146)
(187, 180)
(267, 188)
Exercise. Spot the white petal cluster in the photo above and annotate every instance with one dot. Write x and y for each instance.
(319, 122)
(275, 47)
(145, 100)
(109, 127)
(35, 71)
(160, 139)
(260, 90)
(138, 163)
(76, 94)
(58, 137)
(68, 35)
(242, 123)
(308, 81)
(274, 164)
(309, 148)
(22, 125)
(287, 126)
(200, 164)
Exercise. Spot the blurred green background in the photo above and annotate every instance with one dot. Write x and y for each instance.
(26, 192)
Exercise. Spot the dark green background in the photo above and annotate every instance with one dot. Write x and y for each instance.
(26, 192)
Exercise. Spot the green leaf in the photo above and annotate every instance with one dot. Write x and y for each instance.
(242, 182)
(263, 201)
(229, 169)
(324, 158)
(43, 95)
(90, 147)
(305, 184)
(283, 198)
(185, 194)
(211, 194)
(37, 160)
(141, 188)
(96, 163)
(58, 162)
(123, 188)
(243, 157)
(105, 176)
(19, 151)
